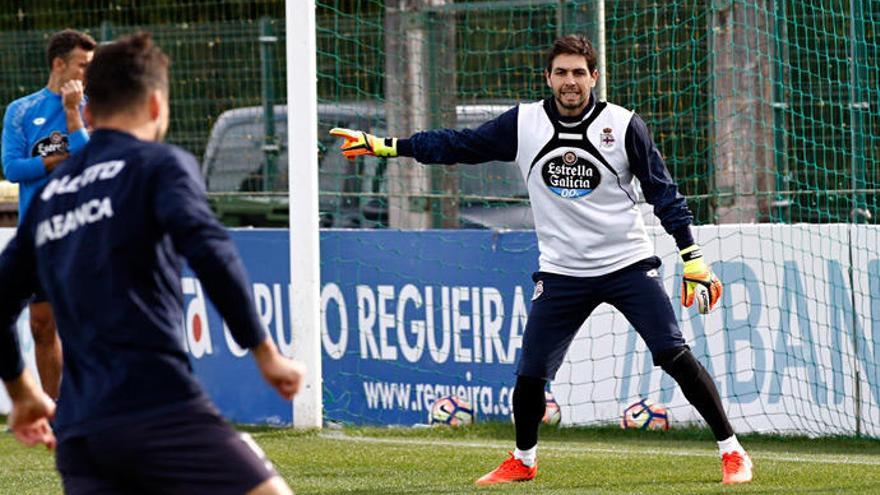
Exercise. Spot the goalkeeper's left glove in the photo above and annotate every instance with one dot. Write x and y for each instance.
(698, 281)
(359, 143)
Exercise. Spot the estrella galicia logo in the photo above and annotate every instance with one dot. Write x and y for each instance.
(570, 176)
(49, 145)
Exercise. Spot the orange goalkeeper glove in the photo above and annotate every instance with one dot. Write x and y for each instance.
(359, 143)
(698, 282)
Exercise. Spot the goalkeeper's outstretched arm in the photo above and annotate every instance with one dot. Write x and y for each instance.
(494, 140)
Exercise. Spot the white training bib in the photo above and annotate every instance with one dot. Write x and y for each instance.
(581, 189)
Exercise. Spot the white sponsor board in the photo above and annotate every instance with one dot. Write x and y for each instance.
(785, 348)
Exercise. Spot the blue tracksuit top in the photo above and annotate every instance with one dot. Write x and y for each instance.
(34, 127)
(105, 238)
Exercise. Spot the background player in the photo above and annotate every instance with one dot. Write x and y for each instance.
(578, 157)
(104, 238)
(39, 131)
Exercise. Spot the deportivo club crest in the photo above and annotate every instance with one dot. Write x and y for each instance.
(570, 176)
(49, 145)
(606, 139)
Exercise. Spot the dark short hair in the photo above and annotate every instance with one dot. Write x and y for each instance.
(124, 72)
(64, 42)
(573, 44)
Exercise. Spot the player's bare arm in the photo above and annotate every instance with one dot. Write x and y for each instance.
(31, 411)
(72, 97)
(283, 374)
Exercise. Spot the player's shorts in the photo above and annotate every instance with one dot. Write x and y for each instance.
(562, 303)
(178, 454)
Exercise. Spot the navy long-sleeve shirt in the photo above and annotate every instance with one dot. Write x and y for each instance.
(497, 140)
(104, 238)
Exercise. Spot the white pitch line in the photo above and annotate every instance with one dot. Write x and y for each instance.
(574, 449)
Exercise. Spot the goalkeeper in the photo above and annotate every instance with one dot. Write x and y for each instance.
(578, 157)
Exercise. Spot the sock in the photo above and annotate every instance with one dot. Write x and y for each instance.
(528, 409)
(697, 387)
(730, 445)
(528, 457)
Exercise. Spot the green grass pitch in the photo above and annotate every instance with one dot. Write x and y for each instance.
(572, 461)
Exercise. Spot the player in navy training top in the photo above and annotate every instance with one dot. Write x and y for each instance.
(579, 158)
(104, 238)
(39, 131)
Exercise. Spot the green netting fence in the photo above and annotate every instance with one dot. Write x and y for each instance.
(764, 111)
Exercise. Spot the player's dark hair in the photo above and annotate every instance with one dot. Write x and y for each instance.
(124, 72)
(64, 42)
(573, 44)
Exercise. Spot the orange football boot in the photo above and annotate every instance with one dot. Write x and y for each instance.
(736, 468)
(509, 471)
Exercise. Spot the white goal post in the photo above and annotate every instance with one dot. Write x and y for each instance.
(302, 163)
